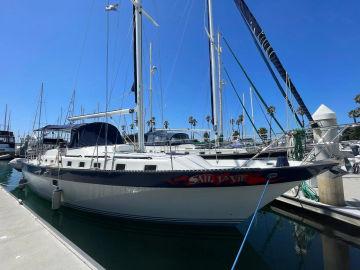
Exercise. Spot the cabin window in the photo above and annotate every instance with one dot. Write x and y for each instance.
(150, 168)
(96, 164)
(81, 164)
(69, 163)
(120, 167)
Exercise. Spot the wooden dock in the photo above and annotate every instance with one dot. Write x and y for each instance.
(28, 242)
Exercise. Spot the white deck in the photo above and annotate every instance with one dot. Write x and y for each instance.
(26, 242)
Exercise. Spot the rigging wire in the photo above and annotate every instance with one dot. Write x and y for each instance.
(252, 84)
(242, 104)
(265, 116)
(87, 27)
(188, 11)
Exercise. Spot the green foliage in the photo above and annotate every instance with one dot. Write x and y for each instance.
(263, 133)
(352, 133)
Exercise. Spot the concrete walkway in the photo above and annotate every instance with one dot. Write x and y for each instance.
(349, 214)
(27, 242)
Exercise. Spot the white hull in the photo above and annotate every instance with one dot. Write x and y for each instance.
(217, 205)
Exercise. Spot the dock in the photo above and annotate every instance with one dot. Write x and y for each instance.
(348, 214)
(27, 241)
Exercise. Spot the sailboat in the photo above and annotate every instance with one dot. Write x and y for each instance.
(7, 140)
(97, 172)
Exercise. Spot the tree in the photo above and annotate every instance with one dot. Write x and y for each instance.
(271, 112)
(191, 120)
(208, 118)
(194, 122)
(152, 120)
(301, 111)
(353, 114)
(166, 124)
(232, 122)
(263, 133)
(206, 136)
(357, 98)
(236, 134)
(240, 121)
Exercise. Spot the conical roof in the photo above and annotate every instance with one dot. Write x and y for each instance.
(323, 113)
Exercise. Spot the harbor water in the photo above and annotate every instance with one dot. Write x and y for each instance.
(280, 239)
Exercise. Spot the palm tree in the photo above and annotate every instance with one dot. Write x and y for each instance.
(236, 134)
(240, 121)
(206, 136)
(301, 111)
(191, 120)
(271, 112)
(263, 133)
(357, 98)
(208, 118)
(194, 122)
(353, 114)
(232, 122)
(166, 124)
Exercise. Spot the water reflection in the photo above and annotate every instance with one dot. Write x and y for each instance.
(279, 240)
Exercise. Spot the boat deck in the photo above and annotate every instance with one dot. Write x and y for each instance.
(28, 242)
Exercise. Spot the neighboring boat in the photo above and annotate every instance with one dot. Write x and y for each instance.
(7, 139)
(7, 145)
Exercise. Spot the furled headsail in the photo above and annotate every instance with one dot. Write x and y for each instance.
(262, 40)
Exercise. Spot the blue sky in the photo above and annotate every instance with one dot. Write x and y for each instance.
(63, 44)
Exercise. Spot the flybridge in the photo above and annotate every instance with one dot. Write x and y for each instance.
(101, 114)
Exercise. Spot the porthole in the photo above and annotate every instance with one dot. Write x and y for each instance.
(96, 164)
(150, 168)
(120, 167)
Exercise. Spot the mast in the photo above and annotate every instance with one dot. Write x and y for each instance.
(41, 102)
(243, 120)
(252, 110)
(212, 69)
(5, 117)
(8, 123)
(138, 73)
(152, 71)
(220, 86)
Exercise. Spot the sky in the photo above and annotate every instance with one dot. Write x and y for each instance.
(62, 44)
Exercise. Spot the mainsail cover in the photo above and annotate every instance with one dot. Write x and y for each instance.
(260, 36)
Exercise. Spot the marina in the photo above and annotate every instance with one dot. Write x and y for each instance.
(207, 148)
(301, 238)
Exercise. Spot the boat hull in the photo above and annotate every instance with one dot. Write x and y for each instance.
(211, 197)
